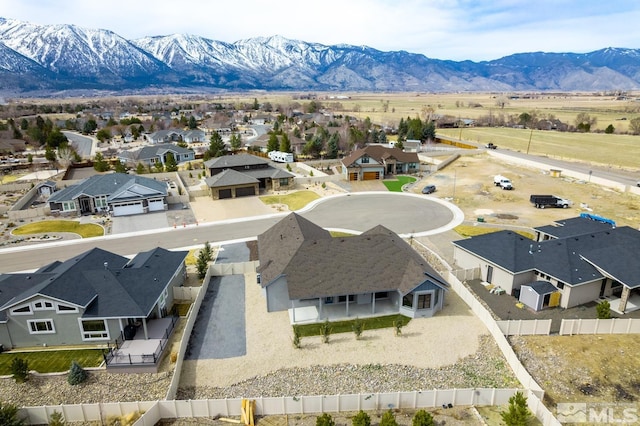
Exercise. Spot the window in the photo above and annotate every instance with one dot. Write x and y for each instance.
(424, 301)
(342, 299)
(64, 309)
(43, 305)
(364, 160)
(68, 206)
(382, 295)
(101, 202)
(407, 300)
(44, 326)
(22, 310)
(560, 285)
(94, 329)
(284, 181)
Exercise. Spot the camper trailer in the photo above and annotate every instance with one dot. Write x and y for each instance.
(281, 157)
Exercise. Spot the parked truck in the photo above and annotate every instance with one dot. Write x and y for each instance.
(543, 201)
(502, 182)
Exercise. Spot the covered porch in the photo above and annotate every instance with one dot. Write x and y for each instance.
(141, 353)
(316, 313)
(627, 302)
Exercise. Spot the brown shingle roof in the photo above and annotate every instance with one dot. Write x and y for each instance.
(377, 260)
(381, 153)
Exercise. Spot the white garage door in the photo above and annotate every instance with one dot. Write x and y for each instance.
(156, 205)
(126, 209)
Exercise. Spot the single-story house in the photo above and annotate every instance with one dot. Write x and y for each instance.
(377, 161)
(153, 154)
(116, 193)
(95, 298)
(314, 276)
(585, 260)
(177, 135)
(240, 175)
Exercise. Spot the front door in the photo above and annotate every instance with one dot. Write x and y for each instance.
(489, 273)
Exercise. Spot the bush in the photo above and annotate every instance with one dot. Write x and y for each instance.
(361, 419)
(76, 374)
(296, 337)
(325, 331)
(358, 327)
(422, 418)
(20, 370)
(325, 420)
(518, 413)
(603, 310)
(57, 419)
(9, 415)
(388, 419)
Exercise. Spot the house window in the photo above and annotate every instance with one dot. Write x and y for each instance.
(94, 329)
(22, 310)
(424, 301)
(560, 285)
(44, 326)
(43, 305)
(382, 295)
(284, 181)
(68, 206)
(407, 300)
(65, 309)
(364, 160)
(342, 299)
(101, 202)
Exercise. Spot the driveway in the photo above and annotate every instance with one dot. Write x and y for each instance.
(220, 328)
(139, 222)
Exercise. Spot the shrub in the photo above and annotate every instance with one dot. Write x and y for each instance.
(358, 327)
(296, 337)
(517, 413)
(603, 310)
(57, 419)
(9, 415)
(325, 331)
(422, 418)
(20, 370)
(325, 420)
(388, 419)
(398, 323)
(361, 419)
(76, 374)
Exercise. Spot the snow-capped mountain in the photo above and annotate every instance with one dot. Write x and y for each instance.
(61, 57)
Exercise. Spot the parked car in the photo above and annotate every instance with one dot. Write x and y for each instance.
(429, 189)
(490, 145)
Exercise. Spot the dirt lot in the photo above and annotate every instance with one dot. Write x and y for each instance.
(469, 182)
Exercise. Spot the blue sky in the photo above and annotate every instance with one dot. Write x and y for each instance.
(440, 29)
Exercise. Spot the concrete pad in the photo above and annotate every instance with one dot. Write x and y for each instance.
(139, 222)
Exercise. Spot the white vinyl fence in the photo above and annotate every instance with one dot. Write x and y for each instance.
(525, 327)
(600, 326)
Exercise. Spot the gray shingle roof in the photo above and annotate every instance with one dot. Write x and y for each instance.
(542, 287)
(230, 177)
(318, 265)
(111, 184)
(380, 153)
(573, 226)
(107, 284)
(505, 248)
(152, 151)
(234, 161)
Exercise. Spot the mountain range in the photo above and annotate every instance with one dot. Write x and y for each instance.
(59, 59)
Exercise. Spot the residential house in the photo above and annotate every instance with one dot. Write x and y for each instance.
(314, 276)
(239, 175)
(153, 154)
(116, 193)
(584, 260)
(95, 298)
(378, 161)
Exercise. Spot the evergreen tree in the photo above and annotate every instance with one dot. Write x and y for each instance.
(119, 167)
(235, 141)
(216, 145)
(171, 165)
(19, 370)
(50, 154)
(388, 419)
(285, 144)
(140, 169)
(361, 419)
(273, 144)
(332, 146)
(325, 420)
(518, 413)
(422, 418)
(89, 126)
(9, 415)
(56, 138)
(100, 164)
(193, 124)
(76, 374)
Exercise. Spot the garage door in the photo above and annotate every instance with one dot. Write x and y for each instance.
(126, 209)
(243, 192)
(224, 193)
(371, 175)
(156, 205)
(353, 176)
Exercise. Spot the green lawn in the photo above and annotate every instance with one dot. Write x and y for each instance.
(295, 200)
(52, 361)
(347, 326)
(86, 230)
(397, 184)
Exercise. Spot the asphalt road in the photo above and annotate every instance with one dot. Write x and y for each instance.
(405, 214)
(82, 144)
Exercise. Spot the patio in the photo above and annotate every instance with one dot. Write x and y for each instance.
(143, 354)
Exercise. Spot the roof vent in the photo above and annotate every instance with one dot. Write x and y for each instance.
(106, 265)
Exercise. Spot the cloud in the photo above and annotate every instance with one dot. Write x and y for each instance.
(442, 29)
